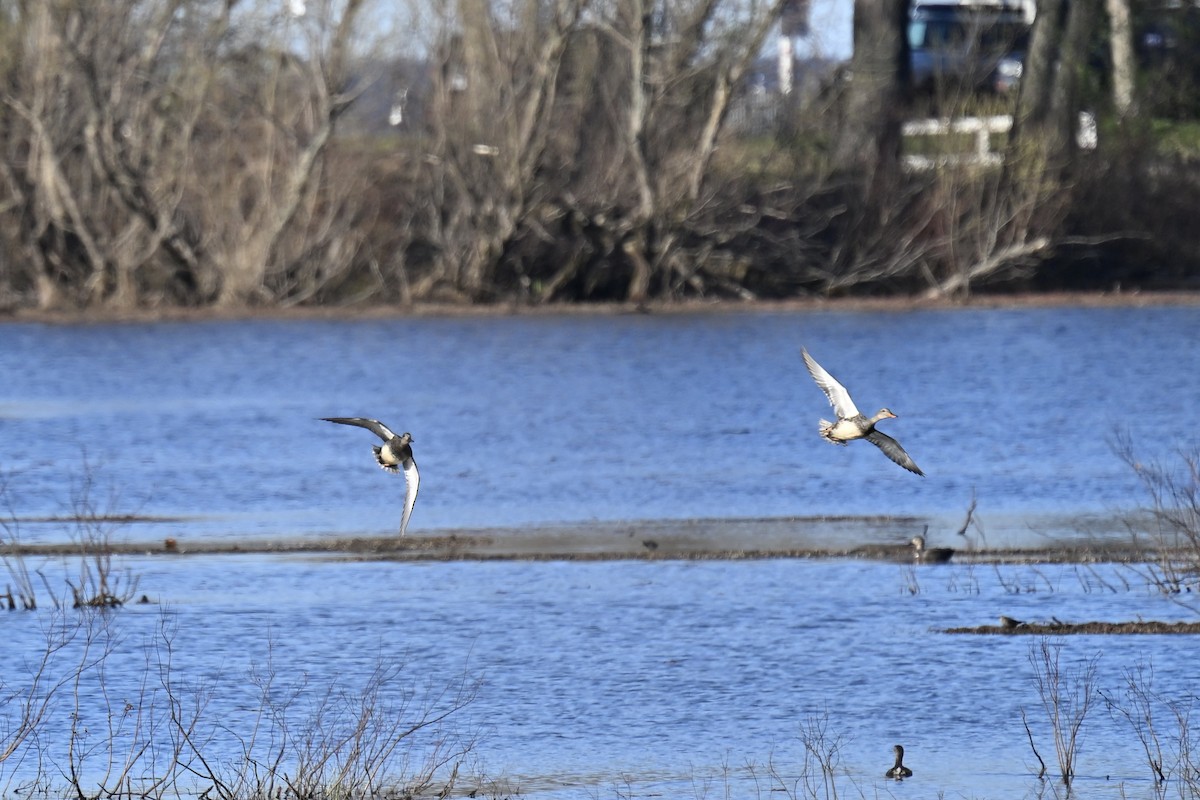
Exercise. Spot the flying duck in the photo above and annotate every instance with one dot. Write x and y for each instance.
(899, 771)
(395, 454)
(851, 423)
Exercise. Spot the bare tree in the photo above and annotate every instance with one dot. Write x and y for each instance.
(495, 86)
(1120, 38)
(685, 63)
(44, 120)
(869, 142)
(110, 131)
(1048, 107)
(292, 111)
(174, 155)
(879, 208)
(139, 131)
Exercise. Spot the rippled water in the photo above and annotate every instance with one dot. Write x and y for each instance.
(533, 419)
(659, 672)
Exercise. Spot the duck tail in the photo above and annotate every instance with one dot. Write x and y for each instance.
(824, 429)
(379, 459)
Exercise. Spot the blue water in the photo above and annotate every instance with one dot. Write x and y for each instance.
(598, 679)
(528, 420)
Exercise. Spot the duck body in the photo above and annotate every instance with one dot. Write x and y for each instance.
(851, 423)
(930, 555)
(846, 430)
(394, 455)
(898, 771)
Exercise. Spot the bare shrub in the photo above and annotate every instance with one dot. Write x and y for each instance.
(10, 552)
(1066, 698)
(309, 742)
(301, 741)
(822, 758)
(26, 706)
(1170, 523)
(1143, 710)
(820, 771)
(100, 584)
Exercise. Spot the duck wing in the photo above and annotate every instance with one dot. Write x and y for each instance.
(373, 425)
(412, 479)
(892, 449)
(839, 398)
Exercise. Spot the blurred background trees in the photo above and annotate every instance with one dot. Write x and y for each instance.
(233, 153)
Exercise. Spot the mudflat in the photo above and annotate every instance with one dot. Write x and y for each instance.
(884, 538)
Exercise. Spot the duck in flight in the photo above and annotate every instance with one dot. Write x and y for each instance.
(394, 455)
(851, 423)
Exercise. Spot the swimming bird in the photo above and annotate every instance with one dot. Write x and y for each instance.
(851, 423)
(395, 454)
(899, 771)
(930, 555)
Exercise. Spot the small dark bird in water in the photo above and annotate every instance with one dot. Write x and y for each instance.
(649, 544)
(395, 454)
(1008, 623)
(930, 555)
(898, 771)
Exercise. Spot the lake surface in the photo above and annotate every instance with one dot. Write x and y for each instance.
(624, 678)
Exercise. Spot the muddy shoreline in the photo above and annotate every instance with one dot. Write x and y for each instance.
(646, 540)
(1115, 299)
(884, 538)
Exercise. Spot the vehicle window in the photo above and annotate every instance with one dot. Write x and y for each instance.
(967, 33)
(945, 34)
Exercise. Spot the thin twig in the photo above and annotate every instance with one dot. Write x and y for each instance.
(1032, 746)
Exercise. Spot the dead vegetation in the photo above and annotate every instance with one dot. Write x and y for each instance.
(93, 575)
(225, 156)
(1169, 525)
(389, 736)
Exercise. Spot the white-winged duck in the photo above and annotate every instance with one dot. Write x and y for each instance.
(851, 423)
(395, 455)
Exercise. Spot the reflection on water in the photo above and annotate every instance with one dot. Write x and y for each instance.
(661, 670)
